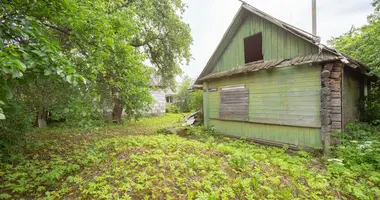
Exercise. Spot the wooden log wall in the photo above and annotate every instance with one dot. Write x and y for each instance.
(331, 101)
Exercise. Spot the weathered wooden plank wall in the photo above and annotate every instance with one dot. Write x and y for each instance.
(352, 88)
(277, 43)
(234, 104)
(283, 96)
(299, 136)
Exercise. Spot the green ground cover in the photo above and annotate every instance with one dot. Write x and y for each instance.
(136, 161)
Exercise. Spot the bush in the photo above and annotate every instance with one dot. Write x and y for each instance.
(370, 106)
(196, 100)
(356, 162)
(360, 146)
(360, 131)
(183, 95)
(171, 108)
(19, 118)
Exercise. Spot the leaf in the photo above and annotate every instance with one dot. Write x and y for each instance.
(39, 53)
(2, 102)
(69, 78)
(2, 116)
(59, 71)
(108, 41)
(21, 66)
(47, 72)
(16, 73)
(82, 79)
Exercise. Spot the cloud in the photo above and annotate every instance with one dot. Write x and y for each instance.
(209, 19)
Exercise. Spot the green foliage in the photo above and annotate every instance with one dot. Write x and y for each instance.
(363, 44)
(360, 146)
(13, 129)
(76, 58)
(196, 100)
(183, 95)
(131, 161)
(171, 108)
(356, 162)
(369, 106)
(360, 131)
(186, 99)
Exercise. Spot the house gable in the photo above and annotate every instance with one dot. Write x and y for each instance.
(280, 41)
(277, 43)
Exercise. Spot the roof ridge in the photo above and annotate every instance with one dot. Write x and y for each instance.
(309, 36)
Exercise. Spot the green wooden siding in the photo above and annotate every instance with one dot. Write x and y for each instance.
(287, 96)
(350, 96)
(307, 137)
(277, 43)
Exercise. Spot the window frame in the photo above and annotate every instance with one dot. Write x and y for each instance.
(248, 58)
(234, 103)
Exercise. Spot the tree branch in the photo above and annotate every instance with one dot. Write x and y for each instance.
(62, 30)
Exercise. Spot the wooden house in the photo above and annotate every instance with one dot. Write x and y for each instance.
(273, 83)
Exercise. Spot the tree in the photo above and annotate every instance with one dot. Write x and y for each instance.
(363, 43)
(105, 41)
(73, 58)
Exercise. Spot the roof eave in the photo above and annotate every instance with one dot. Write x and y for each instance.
(234, 22)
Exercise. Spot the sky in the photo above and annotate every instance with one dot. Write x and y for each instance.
(209, 19)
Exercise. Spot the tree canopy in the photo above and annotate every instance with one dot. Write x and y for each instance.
(363, 44)
(82, 57)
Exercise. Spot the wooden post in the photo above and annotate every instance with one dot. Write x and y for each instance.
(205, 106)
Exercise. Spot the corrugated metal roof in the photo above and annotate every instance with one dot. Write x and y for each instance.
(261, 65)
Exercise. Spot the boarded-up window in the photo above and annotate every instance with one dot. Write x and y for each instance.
(234, 103)
(253, 48)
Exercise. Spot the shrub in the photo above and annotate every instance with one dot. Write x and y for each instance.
(356, 163)
(171, 108)
(356, 153)
(370, 106)
(183, 95)
(19, 118)
(360, 146)
(196, 100)
(360, 131)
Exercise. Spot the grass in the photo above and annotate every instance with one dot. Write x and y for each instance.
(134, 161)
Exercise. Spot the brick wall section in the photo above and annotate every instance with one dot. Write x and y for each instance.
(331, 101)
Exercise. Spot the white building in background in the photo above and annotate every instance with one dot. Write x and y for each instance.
(159, 105)
(160, 97)
(169, 96)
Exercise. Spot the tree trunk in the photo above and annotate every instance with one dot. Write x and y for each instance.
(117, 107)
(117, 111)
(41, 117)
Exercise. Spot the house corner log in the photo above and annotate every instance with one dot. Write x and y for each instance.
(331, 102)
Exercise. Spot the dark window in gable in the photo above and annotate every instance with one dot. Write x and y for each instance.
(253, 48)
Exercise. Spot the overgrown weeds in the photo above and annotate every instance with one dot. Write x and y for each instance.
(134, 162)
(355, 167)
